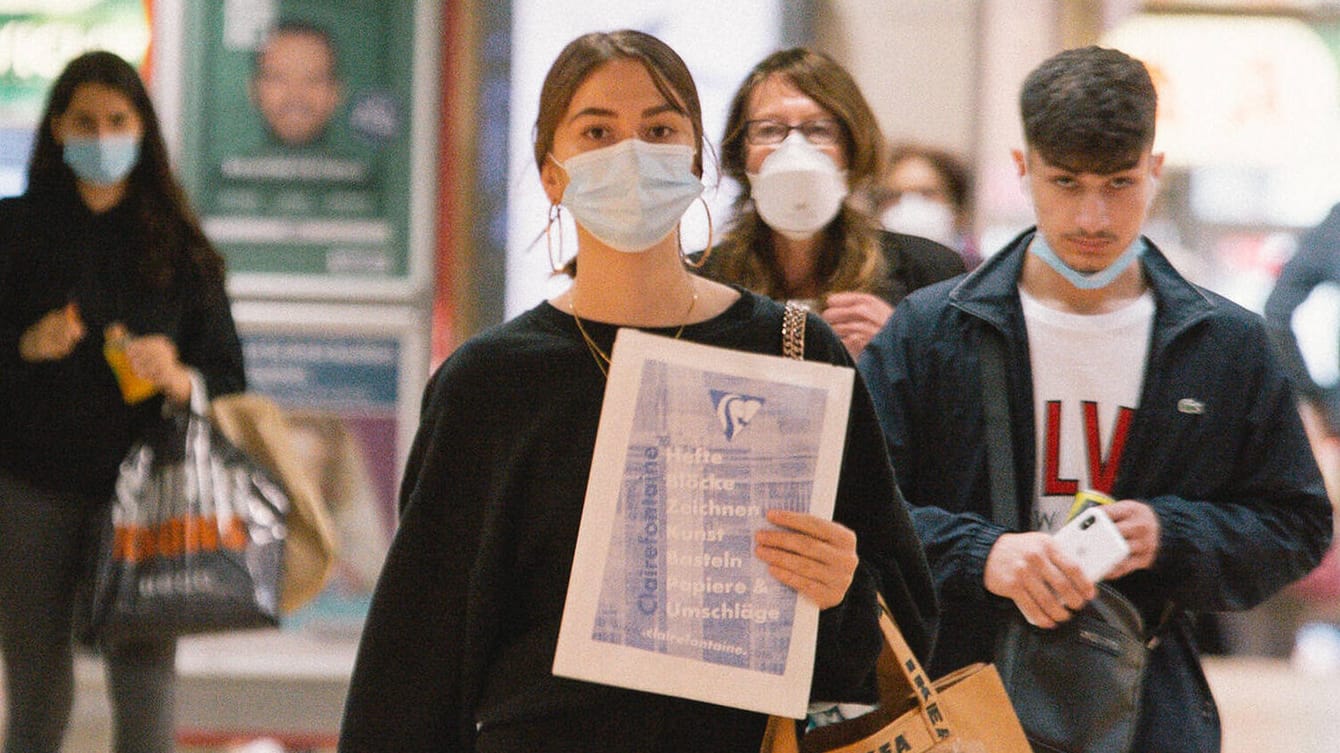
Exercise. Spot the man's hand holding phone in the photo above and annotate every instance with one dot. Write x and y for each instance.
(1049, 577)
(1092, 540)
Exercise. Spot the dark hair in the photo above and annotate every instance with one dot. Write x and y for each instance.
(156, 202)
(1089, 109)
(957, 178)
(583, 55)
(586, 53)
(298, 28)
(850, 256)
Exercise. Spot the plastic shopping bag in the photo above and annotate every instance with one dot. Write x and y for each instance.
(194, 541)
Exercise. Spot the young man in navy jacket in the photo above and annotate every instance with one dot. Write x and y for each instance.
(1120, 376)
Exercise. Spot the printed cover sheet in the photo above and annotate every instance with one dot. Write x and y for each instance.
(695, 444)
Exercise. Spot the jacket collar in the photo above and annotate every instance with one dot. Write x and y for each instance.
(991, 292)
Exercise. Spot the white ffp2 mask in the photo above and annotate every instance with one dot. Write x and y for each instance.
(798, 189)
(915, 214)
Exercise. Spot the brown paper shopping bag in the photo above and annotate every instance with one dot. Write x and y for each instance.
(966, 711)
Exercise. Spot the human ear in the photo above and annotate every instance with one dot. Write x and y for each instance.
(554, 179)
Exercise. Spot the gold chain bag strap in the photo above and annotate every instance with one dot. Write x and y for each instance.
(793, 331)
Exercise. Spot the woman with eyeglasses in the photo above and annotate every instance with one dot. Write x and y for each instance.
(800, 138)
(457, 653)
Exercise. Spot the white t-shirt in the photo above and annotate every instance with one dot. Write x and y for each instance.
(1087, 374)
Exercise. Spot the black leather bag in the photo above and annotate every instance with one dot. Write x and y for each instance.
(1076, 687)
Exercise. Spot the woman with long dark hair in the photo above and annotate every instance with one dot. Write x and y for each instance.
(102, 261)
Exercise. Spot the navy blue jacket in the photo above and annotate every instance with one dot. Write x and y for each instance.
(1216, 448)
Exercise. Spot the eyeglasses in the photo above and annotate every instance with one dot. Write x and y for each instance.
(824, 132)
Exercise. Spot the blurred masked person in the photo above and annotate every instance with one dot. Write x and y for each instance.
(103, 248)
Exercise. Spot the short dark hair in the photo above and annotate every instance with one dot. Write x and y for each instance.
(298, 28)
(1089, 109)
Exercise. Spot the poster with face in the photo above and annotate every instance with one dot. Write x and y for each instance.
(298, 140)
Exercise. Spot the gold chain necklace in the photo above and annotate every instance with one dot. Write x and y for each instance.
(601, 358)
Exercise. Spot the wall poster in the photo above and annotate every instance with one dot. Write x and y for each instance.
(307, 142)
(349, 379)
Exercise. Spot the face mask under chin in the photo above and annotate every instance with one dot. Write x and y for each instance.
(1040, 248)
(1087, 280)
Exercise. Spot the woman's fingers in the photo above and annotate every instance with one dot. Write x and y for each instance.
(814, 556)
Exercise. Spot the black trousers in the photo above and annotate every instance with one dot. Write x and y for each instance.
(45, 542)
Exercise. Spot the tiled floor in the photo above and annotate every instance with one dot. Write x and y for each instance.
(276, 683)
(1268, 706)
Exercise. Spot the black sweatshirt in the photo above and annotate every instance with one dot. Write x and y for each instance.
(63, 424)
(465, 619)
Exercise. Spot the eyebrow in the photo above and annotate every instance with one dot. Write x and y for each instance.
(607, 113)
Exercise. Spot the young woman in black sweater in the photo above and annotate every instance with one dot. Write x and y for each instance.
(458, 647)
(101, 247)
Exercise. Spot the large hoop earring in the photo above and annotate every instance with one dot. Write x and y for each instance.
(555, 218)
(707, 251)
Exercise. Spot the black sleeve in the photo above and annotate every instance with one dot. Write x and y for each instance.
(1274, 508)
(10, 327)
(406, 690)
(916, 262)
(209, 341)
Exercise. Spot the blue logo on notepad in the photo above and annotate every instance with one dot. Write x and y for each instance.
(734, 410)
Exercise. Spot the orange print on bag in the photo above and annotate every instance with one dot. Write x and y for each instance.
(178, 536)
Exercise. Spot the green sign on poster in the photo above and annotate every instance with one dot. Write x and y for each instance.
(297, 144)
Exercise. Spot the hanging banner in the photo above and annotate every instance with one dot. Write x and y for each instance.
(299, 141)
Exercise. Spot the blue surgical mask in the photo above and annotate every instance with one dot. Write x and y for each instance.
(1087, 280)
(101, 160)
(632, 194)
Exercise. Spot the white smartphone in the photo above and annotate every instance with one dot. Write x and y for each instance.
(1093, 541)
